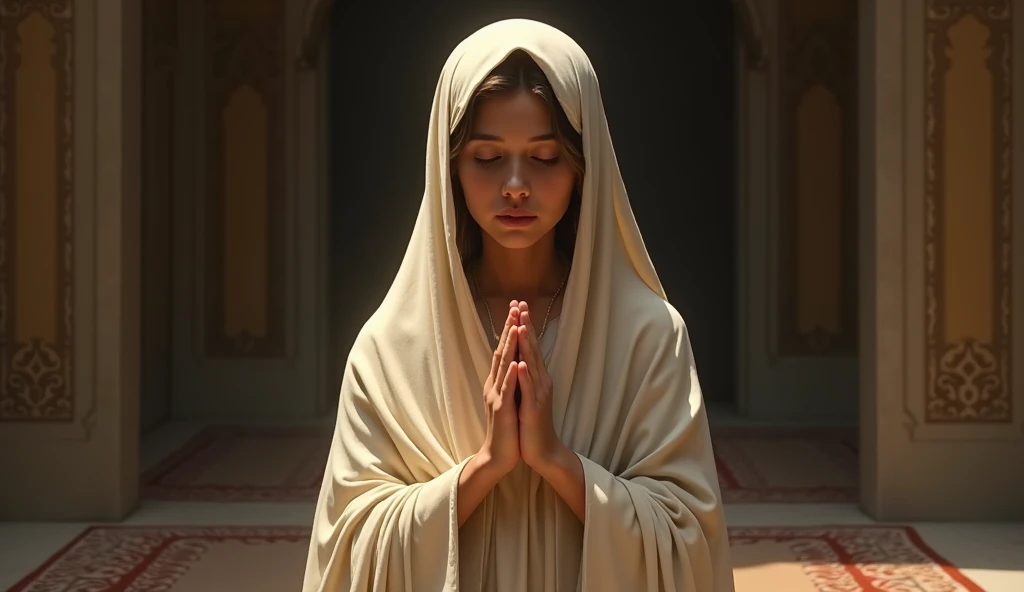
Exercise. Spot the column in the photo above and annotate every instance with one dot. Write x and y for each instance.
(942, 402)
(69, 269)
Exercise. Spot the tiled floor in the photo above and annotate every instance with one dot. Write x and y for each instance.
(991, 555)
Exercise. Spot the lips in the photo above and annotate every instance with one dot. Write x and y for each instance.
(516, 220)
(515, 213)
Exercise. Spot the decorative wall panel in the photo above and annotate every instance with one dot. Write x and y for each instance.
(818, 178)
(968, 211)
(36, 199)
(245, 249)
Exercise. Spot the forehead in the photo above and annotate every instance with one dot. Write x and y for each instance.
(510, 114)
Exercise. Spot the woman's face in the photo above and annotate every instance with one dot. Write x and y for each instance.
(516, 182)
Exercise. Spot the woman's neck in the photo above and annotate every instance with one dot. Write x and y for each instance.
(520, 274)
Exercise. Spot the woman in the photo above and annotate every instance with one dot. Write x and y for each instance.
(526, 276)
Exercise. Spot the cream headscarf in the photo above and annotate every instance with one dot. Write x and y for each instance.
(627, 398)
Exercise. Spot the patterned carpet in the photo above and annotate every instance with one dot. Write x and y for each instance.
(841, 559)
(285, 464)
(137, 559)
(777, 465)
(277, 464)
(243, 464)
(134, 559)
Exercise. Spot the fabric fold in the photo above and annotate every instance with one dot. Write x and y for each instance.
(656, 501)
(381, 524)
(626, 397)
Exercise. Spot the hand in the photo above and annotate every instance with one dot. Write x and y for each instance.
(501, 444)
(538, 442)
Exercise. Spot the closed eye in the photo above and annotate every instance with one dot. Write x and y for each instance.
(544, 161)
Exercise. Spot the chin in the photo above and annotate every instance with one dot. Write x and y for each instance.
(514, 240)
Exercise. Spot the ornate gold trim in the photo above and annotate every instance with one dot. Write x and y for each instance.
(820, 52)
(968, 382)
(36, 377)
(249, 52)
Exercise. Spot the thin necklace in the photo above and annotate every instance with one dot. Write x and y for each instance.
(543, 328)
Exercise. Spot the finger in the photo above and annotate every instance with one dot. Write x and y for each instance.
(526, 384)
(534, 342)
(523, 308)
(508, 386)
(529, 355)
(527, 319)
(510, 321)
(529, 344)
(511, 346)
(496, 361)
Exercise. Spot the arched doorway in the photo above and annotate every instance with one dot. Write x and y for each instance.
(669, 88)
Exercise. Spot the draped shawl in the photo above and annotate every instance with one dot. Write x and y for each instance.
(626, 398)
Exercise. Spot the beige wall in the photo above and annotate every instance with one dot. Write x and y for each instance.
(246, 309)
(941, 276)
(943, 391)
(816, 111)
(798, 125)
(69, 280)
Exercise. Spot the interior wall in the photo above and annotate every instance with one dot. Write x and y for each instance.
(158, 123)
(799, 178)
(233, 183)
(668, 86)
(69, 381)
(670, 94)
(943, 300)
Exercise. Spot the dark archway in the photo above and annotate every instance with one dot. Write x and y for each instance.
(314, 27)
(669, 88)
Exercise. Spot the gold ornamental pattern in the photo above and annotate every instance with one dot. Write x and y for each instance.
(36, 210)
(968, 211)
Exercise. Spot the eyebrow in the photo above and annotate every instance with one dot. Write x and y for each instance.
(494, 138)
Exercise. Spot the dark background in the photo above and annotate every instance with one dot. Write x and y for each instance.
(669, 89)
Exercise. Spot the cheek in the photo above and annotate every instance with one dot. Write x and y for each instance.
(477, 188)
(558, 185)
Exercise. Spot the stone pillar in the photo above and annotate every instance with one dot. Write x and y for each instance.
(942, 216)
(69, 268)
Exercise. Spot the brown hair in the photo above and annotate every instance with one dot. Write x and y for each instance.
(518, 72)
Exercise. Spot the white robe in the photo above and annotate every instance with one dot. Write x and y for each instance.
(626, 398)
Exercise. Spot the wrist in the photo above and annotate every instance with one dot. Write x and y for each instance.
(480, 475)
(556, 463)
(488, 467)
(565, 473)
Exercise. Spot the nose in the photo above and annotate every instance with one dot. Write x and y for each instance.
(516, 184)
